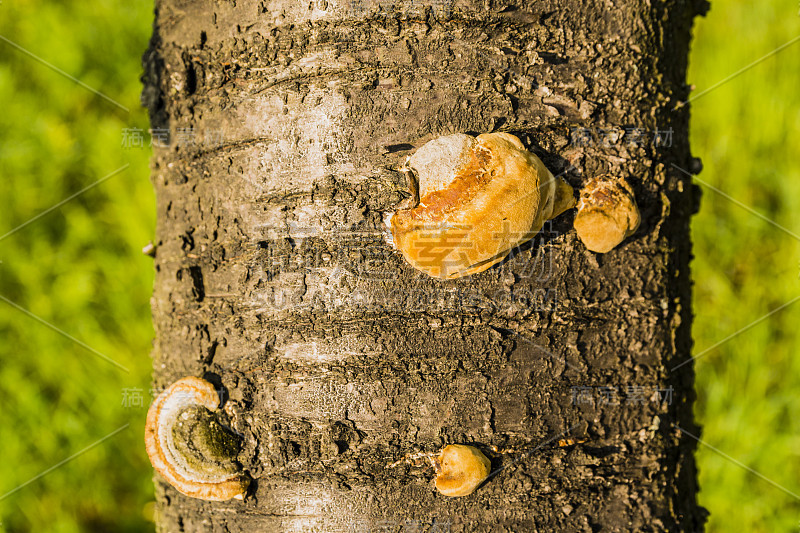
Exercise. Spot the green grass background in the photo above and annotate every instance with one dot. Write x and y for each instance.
(747, 132)
(80, 267)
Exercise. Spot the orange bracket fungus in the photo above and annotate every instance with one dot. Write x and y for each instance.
(460, 469)
(607, 214)
(479, 198)
(189, 447)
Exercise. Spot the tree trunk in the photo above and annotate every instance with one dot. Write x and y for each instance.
(274, 279)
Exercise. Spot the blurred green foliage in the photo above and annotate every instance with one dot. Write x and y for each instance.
(747, 132)
(80, 267)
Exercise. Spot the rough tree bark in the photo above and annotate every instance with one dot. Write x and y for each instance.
(275, 281)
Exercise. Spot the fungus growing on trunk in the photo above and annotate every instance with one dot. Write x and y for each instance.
(189, 447)
(479, 198)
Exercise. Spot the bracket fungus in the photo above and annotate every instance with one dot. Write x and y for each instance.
(479, 198)
(189, 447)
(607, 214)
(460, 469)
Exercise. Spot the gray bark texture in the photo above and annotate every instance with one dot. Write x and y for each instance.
(275, 281)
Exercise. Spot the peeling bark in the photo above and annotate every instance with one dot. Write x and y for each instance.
(274, 279)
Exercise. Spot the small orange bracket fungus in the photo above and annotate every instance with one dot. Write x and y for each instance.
(607, 214)
(189, 447)
(479, 198)
(460, 469)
